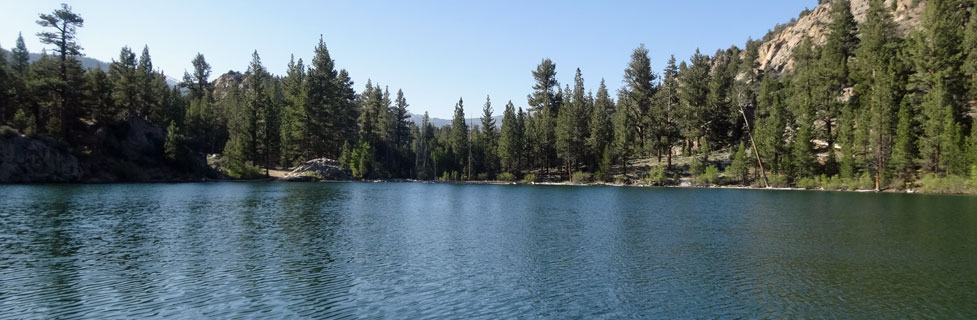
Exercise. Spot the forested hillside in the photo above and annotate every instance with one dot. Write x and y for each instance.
(857, 102)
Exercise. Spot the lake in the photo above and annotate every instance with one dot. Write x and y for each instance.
(424, 251)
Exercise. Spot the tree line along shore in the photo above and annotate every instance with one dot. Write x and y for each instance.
(866, 109)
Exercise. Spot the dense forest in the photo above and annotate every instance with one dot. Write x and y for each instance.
(866, 109)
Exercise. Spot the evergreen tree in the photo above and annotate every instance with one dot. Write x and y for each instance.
(292, 130)
(459, 137)
(125, 81)
(719, 115)
(490, 139)
(198, 83)
(639, 90)
(320, 123)
(98, 96)
(937, 62)
(601, 130)
(739, 169)
(5, 87)
(571, 125)
(43, 83)
(20, 57)
(510, 147)
(665, 112)
(772, 119)
(693, 93)
(904, 147)
(148, 97)
(803, 87)
(544, 105)
(877, 66)
(65, 24)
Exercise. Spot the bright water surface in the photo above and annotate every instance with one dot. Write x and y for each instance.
(415, 251)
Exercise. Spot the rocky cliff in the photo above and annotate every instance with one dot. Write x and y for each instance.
(125, 151)
(775, 53)
(28, 160)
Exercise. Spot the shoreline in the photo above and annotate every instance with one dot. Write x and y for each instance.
(493, 182)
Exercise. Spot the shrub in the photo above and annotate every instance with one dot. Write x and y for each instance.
(777, 180)
(865, 182)
(657, 176)
(483, 176)
(620, 178)
(932, 183)
(711, 175)
(506, 176)
(529, 178)
(807, 183)
(8, 132)
(22, 121)
(246, 170)
(580, 177)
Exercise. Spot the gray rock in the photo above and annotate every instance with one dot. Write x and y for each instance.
(318, 170)
(28, 160)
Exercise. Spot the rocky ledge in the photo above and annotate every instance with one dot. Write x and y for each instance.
(319, 170)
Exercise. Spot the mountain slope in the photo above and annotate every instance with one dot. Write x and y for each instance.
(775, 53)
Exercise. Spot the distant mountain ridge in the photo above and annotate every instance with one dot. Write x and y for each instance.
(418, 119)
(92, 63)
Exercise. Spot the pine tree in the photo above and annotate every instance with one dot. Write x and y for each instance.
(98, 96)
(5, 87)
(665, 112)
(292, 129)
(719, 115)
(125, 81)
(510, 141)
(544, 105)
(20, 57)
(42, 83)
(938, 60)
(803, 87)
(601, 128)
(321, 128)
(459, 137)
(693, 93)
(772, 118)
(639, 89)
(877, 65)
(148, 98)
(904, 146)
(740, 167)
(571, 125)
(490, 139)
(65, 24)
(198, 83)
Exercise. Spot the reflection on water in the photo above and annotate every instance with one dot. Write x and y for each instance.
(335, 250)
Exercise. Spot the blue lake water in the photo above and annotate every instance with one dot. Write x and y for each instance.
(417, 251)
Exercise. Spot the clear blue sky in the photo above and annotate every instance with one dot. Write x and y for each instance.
(436, 51)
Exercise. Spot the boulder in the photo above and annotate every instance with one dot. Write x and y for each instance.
(30, 160)
(318, 170)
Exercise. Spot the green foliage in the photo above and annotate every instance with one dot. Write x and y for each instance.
(740, 168)
(697, 167)
(951, 184)
(362, 161)
(710, 176)
(529, 178)
(581, 177)
(22, 121)
(778, 180)
(506, 176)
(604, 168)
(658, 176)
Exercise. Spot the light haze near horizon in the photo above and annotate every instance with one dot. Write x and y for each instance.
(436, 51)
